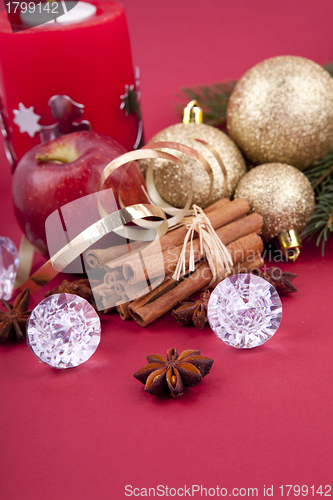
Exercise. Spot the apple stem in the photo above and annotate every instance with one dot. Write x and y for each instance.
(44, 158)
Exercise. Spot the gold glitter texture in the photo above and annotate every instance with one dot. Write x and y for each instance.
(172, 181)
(281, 110)
(281, 194)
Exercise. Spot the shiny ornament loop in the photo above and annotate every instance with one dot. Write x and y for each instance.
(87, 238)
(193, 113)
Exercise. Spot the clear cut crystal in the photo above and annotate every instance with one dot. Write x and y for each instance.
(64, 330)
(8, 267)
(244, 311)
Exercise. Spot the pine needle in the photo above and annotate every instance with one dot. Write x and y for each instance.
(329, 68)
(213, 99)
(321, 222)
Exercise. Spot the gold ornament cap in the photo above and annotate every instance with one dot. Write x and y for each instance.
(290, 243)
(192, 113)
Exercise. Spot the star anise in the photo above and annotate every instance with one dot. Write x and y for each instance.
(281, 280)
(13, 322)
(171, 375)
(78, 287)
(193, 311)
(81, 288)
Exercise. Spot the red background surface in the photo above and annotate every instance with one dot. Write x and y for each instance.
(261, 417)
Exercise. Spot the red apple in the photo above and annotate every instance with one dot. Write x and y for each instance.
(57, 172)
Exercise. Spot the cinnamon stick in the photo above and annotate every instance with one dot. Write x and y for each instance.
(154, 266)
(106, 297)
(153, 310)
(227, 234)
(167, 285)
(97, 257)
(217, 205)
(111, 277)
(123, 311)
(246, 248)
(136, 290)
(149, 308)
(219, 213)
(199, 279)
(243, 249)
(120, 289)
(246, 266)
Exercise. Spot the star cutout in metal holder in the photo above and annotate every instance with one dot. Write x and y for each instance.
(27, 120)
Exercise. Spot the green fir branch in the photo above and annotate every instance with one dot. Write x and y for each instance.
(329, 68)
(320, 174)
(321, 221)
(213, 99)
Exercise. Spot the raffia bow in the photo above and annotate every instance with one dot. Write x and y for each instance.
(218, 256)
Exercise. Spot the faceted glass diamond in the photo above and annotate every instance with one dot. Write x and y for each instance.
(64, 330)
(8, 266)
(244, 311)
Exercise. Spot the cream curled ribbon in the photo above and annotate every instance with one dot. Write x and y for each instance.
(218, 256)
(149, 152)
(86, 238)
(26, 255)
(220, 162)
(152, 190)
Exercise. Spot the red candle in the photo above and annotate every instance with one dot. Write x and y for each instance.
(89, 61)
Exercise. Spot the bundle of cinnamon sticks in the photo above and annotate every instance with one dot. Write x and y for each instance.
(125, 283)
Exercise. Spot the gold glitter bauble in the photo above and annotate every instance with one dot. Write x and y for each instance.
(172, 181)
(281, 194)
(281, 110)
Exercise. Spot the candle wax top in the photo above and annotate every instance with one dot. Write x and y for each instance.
(75, 12)
(106, 10)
